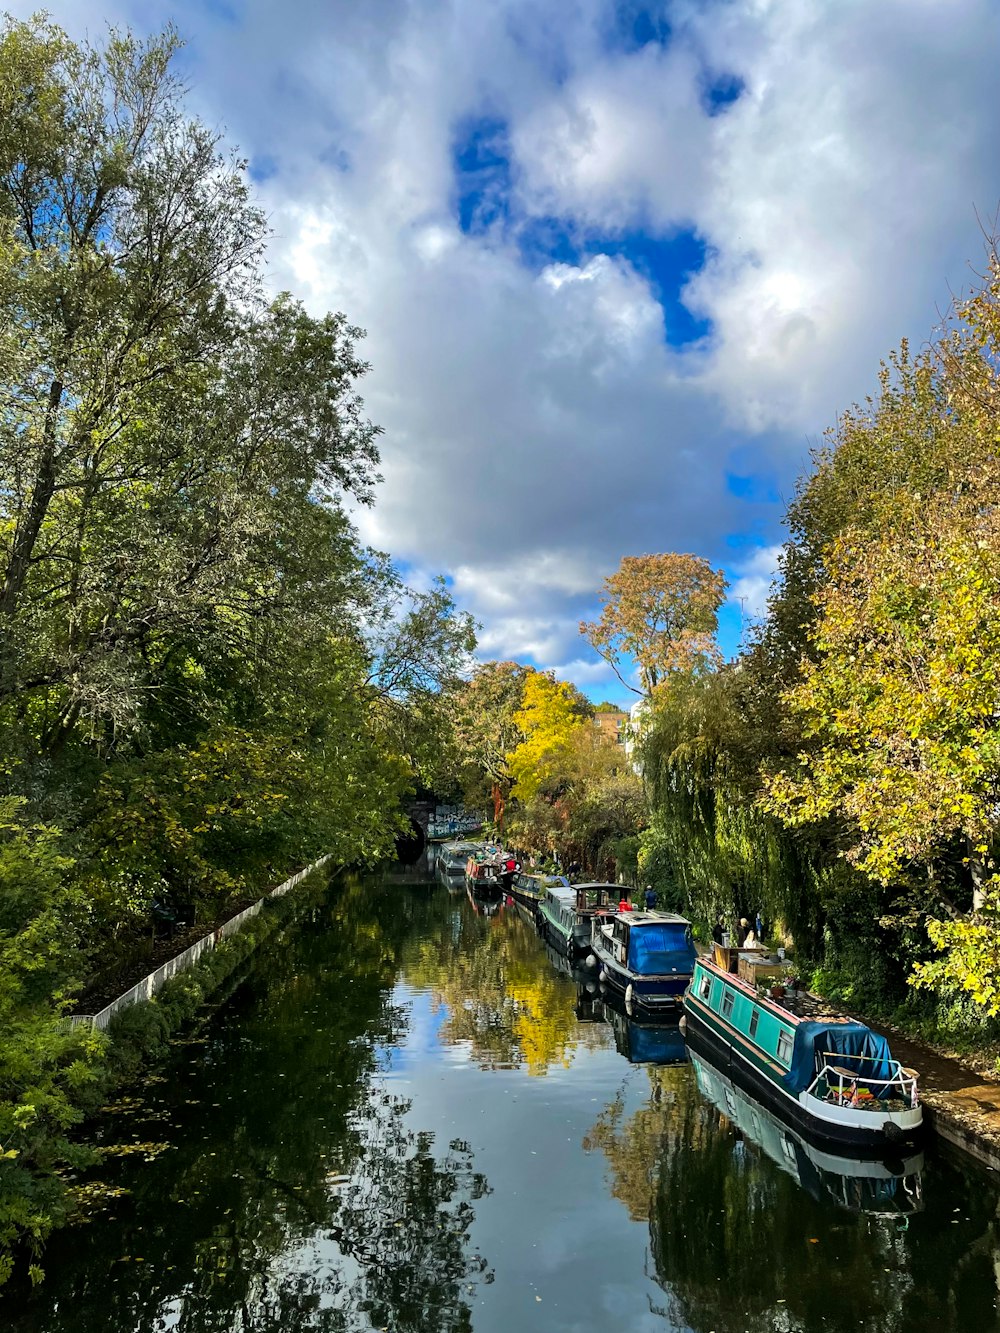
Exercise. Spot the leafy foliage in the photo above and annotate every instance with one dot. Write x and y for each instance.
(205, 681)
(660, 610)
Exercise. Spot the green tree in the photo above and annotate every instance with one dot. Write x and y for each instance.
(43, 1064)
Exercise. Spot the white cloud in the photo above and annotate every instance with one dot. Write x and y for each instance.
(538, 427)
(752, 581)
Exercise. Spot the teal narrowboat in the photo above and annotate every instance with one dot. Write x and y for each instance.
(832, 1078)
(565, 914)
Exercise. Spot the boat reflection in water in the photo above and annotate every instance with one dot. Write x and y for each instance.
(640, 1039)
(879, 1189)
(486, 900)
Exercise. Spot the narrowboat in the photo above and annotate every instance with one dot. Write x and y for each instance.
(451, 860)
(832, 1078)
(529, 889)
(489, 871)
(565, 914)
(892, 1188)
(648, 957)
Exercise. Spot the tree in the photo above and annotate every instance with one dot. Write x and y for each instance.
(552, 713)
(485, 732)
(43, 1063)
(163, 425)
(660, 610)
(588, 799)
(902, 703)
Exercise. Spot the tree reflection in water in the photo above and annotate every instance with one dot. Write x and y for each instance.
(296, 1195)
(500, 995)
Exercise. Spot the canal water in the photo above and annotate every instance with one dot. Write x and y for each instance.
(404, 1117)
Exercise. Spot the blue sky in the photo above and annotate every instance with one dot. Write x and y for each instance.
(621, 265)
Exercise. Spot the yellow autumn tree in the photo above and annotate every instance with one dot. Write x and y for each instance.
(900, 706)
(551, 715)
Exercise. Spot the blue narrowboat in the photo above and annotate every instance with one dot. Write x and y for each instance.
(646, 956)
(830, 1077)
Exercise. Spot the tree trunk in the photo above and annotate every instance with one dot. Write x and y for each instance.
(26, 534)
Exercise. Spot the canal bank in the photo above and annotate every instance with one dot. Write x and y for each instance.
(961, 1106)
(39, 1180)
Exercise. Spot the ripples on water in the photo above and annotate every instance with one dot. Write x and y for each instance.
(408, 1117)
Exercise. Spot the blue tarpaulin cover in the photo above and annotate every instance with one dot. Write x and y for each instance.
(853, 1046)
(659, 947)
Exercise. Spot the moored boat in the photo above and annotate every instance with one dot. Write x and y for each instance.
(832, 1078)
(490, 869)
(529, 889)
(891, 1188)
(648, 957)
(565, 914)
(450, 858)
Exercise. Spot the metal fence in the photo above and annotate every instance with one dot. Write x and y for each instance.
(149, 985)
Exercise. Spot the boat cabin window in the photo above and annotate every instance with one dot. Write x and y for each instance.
(754, 1020)
(728, 1000)
(705, 986)
(785, 1046)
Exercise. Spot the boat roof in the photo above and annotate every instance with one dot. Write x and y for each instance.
(569, 892)
(654, 918)
(786, 1014)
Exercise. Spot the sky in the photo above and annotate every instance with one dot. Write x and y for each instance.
(620, 265)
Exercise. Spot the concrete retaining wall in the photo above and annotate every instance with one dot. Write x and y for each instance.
(149, 985)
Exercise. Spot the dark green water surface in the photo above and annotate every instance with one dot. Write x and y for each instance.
(406, 1118)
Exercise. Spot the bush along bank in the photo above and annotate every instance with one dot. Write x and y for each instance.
(46, 1140)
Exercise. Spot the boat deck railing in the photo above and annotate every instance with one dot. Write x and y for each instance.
(862, 1091)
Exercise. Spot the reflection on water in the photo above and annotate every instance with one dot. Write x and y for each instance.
(489, 981)
(886, 1189)
(362, 1139)
(641, 1040)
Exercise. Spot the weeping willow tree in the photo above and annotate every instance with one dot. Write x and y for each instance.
(710, 847)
